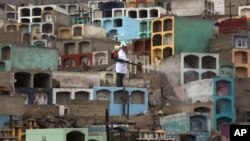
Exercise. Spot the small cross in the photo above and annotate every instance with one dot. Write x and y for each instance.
(230, 9)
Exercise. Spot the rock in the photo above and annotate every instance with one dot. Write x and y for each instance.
(51, 119)
(157, 93)
(152, 101)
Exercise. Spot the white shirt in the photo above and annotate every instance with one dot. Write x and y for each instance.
(121, 67)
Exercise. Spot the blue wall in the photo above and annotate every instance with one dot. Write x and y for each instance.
(6, 118)
(223, 105)
(116, 109)
(128, 31)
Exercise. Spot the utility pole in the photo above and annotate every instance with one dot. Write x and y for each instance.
(230, 9)
(107, 124)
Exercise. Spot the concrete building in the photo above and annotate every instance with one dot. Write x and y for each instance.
(14, 56)
(103, 9)
(108, 78)
(219, 7)
(79, 13)
(189, 126)
(142, 13)
(120, 29)
(39, 23)
(81, 31)
(25, 79)
(188, 8)
(35, 96)
(187, 67)
(238, 46)
(62, 97)
(76, 79)
(234, 6)
(198, 91)
(136, 100)
(144, 29)
(39, 13)
(82, 62)
(141, 46)
(106, 7)
(95, 4)
(84, 46)
(227, 71)
(224, 101)
(171, 35)
(241, 99)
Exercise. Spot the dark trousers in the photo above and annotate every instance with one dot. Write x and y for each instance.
(119, 79)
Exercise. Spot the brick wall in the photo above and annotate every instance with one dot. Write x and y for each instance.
(41, 110)
(86, 108)
(16, 108)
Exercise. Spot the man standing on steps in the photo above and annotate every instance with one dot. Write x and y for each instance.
(121, 65)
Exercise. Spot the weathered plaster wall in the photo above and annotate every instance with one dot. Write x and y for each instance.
(185, 123)
(219, 7)
(5, 81)
(91, 31)
(13, 109)
(242, 97)
(30, 57)
(10, 37)
(171, 67)
(222, 44)
(201, 90)
(91, 108)
(41, 110)
(189, 39)
(188, 8)
(76, 79)
(175, 123)
(93, 45)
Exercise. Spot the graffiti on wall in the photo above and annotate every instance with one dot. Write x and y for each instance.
(201, 90)
(176, 124)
